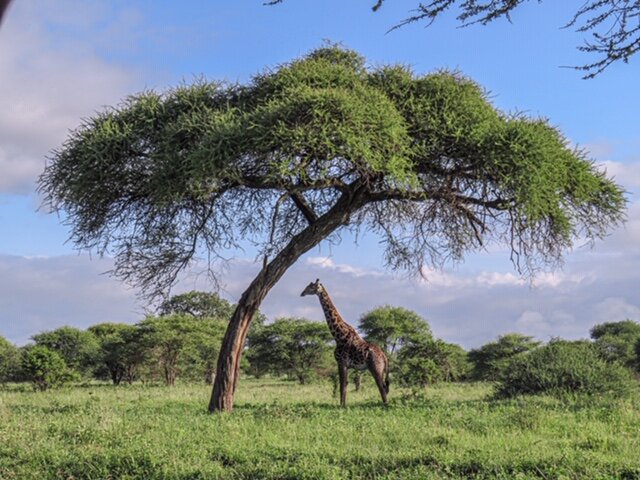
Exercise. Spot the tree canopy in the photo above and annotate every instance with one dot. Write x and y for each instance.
(306, 151)
(393, 327)
(424, 160)
(121, 352)
(617, 341)
(293, 346)
(491, 360)
(9, 359)
(197, 304)
(77, 347)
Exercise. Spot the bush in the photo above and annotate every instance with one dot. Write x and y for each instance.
(563, 367)
(491, 360)
(9, 360)
(427, 361)
(46, 368)
(418, 373)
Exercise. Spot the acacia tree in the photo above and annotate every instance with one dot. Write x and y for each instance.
(393, 327)
(9, 360)
(307, 151)
(617, 341)
(80, 349)
(121, 350)
(197, 304)
(491, 360)
(293, 346)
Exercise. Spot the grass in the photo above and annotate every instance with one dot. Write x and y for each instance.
(280, 430)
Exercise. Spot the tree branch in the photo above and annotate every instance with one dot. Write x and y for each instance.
(304, 207)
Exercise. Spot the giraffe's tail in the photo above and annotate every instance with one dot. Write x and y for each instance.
(386, 376)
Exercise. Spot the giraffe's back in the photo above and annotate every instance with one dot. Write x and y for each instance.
(357, 354)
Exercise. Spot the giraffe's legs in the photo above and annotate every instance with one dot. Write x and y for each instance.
(377, 369)
(343, 372)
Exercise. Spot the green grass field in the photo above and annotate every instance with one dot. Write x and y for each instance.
(281, 430)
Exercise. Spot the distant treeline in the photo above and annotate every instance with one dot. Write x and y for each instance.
(182, 342)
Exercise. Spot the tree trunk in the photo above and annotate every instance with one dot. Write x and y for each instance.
(228, 367)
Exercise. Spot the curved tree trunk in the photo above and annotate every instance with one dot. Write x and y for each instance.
(228, 366)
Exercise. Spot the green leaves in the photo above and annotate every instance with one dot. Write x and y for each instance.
(296, 347)
(561, 368)
(393, 327)
(425, 161)
(46, 368)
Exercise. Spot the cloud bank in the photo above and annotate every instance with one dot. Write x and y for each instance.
(51, 78)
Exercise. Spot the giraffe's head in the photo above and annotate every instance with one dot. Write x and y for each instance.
(312, 289)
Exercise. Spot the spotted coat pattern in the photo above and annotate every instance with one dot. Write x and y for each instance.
(351, 350)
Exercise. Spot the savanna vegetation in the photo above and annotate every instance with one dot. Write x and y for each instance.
(283, 430)
(126, 401)
(304, 152)
(299, 154)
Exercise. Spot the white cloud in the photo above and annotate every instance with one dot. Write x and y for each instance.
(469, 309)
(44, 293)
(626, 174)
(328, 263)
(50, 79)
(616, 308)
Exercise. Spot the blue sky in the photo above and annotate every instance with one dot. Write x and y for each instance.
(62, 60)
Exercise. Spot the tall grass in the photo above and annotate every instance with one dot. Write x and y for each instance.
(281, 430)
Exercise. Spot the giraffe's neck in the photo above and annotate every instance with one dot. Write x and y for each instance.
(341, 330)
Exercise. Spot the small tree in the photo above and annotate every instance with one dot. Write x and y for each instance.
(120, 350)
(563, 367)
(79, 348)
(46, 368)
(9, 360)
(617, 341)
(427, 361)
(197, 304)
(393, 327)
(490, 360)
(176, 341)
(307, 151)
(291, 346)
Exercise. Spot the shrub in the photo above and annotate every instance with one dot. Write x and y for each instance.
(9, 360)
(427, 361)
(491, 360)
(46, 368)
(563, 367)
(418, 373)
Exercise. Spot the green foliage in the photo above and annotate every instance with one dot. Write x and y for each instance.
(491, 360)
(561, 368)
(617, 341)
(295, 347)
(425, 161)
(78, 348)
(428, 361)
(418, 372)
(46, 368)
(393, 327)
(121, 351)
(181, 344)
(9, 360)
(197, 304)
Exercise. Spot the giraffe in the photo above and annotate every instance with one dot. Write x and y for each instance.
(351, 350)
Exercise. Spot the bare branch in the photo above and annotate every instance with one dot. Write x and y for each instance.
(304, 207)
